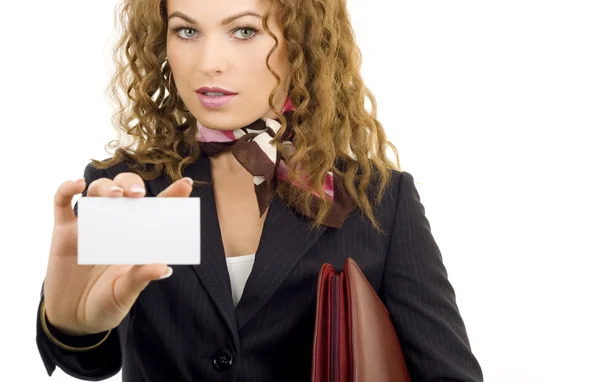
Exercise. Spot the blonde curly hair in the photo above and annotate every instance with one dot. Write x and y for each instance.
(331, 124)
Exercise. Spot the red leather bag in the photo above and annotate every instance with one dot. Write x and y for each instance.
(354, 338)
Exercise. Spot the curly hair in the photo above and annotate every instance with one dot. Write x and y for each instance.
(330, 122)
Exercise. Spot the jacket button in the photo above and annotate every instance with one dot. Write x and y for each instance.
(222, 360)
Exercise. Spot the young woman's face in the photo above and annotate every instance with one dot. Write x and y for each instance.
(209, 46)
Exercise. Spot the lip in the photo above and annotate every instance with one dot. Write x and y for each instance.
(214, 89)
(211, 102)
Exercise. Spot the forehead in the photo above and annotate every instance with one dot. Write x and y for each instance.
(215, 9)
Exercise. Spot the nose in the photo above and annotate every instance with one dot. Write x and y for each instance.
(212, 55)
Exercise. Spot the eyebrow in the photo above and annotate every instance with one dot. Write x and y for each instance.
(224, 22)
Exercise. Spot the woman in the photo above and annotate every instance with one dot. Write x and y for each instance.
(264, 120)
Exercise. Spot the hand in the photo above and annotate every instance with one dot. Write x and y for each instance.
(86, 299)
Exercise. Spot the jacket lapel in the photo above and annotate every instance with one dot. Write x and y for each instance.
(212, 270)
(286, 237)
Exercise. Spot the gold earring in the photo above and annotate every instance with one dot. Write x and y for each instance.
(169, 81)
(169, 85)
(172, 86)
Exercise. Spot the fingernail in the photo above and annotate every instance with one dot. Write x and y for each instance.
(169, 273)
(189, 180)
(137, 189)
(116, 188)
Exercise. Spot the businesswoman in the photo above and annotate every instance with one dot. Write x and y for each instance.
(257, 108)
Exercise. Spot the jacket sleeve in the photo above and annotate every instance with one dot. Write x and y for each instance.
(91, 357)
(421, 300)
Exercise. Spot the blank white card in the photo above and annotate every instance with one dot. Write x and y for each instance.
(138, 230)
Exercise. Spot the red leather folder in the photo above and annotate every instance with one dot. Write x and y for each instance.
(354, 338)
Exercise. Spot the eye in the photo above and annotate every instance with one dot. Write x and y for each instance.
(188, 33)
(248, 33)
(245, 33)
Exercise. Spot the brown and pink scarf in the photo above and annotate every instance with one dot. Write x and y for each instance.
(251, 146)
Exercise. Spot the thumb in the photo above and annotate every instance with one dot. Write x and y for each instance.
(128, 287)
(63, 211)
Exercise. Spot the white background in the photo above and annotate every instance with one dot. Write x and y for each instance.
(494, 107)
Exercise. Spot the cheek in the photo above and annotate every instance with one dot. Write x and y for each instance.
(256, 72)
(278, 59)
(279, 63)
(179, 64)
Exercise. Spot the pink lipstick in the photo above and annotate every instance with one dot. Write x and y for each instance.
(214, 97)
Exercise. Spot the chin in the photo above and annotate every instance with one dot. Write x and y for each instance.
(223, 120)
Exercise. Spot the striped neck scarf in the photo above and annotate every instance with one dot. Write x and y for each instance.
(250, 146)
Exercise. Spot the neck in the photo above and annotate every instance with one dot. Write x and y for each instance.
(226, 164)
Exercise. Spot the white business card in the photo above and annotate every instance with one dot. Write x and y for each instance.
(138, 230)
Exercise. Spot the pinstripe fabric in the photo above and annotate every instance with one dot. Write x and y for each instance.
(178, 325)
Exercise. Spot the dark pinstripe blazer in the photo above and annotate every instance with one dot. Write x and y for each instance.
(185, 328)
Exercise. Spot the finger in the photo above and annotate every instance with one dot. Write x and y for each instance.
(129, 285)
(180, 188)
(63, 211)
(104, 187)
(132, 184)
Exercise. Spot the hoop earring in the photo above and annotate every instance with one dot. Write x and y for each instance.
(172, 89)
(169, 84)
(169, 81)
